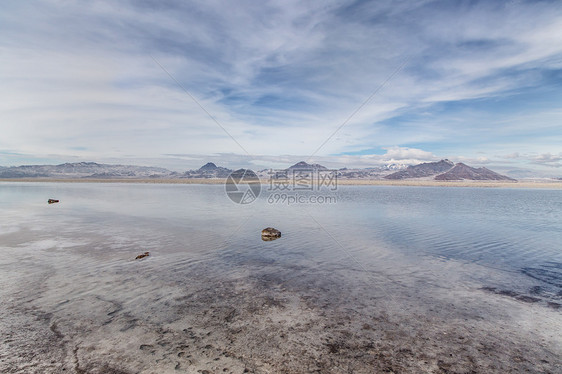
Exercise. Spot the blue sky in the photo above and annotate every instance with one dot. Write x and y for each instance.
(481, 82)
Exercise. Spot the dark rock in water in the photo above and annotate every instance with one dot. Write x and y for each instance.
(145, 254)
(269, 238)
(270, 233)
(527, 299)
(550, 273)
(52, 201)
(513, 294)
(554, 305)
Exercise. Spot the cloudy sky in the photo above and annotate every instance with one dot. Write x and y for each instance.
(263, 84)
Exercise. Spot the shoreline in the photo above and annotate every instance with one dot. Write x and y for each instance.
(343, 182)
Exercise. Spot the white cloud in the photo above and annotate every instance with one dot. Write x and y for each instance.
(482, 160)
(401, 153)
(78, 80)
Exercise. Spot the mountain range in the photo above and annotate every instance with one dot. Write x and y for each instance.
(83, 170)
(446, 170)
(422, 170)
(442, 170)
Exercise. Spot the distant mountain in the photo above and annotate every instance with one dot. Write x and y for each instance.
(301, 168)
(302, 165)
(523, 173)
(83, 170)
(461, 171)
(209, 170)
(209, 166)
(422, 170)
(369, 173)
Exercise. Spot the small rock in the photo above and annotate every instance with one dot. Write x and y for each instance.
(145, 254)
(270, 233)
(52, 201)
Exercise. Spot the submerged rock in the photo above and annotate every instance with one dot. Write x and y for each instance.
(145, 254)
(269, 238)
(270, 233)
(52, 201)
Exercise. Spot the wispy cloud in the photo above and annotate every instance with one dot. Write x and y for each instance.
(78, 80)
(548, 159)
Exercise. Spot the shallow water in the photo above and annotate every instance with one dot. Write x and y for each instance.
(403, 279)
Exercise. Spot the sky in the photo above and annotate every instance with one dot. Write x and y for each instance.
(266, 84)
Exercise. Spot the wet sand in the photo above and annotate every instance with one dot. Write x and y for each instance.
(241, 314)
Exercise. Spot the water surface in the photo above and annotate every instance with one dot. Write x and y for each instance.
(407, 279)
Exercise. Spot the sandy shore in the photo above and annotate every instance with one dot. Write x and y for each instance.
(350, 182)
